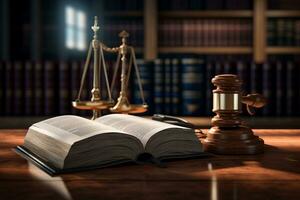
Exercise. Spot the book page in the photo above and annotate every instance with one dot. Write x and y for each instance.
(139, 127)
(69, 128)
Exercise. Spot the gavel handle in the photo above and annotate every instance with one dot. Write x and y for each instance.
(254, 100)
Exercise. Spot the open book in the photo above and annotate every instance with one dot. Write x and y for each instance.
(70, 142)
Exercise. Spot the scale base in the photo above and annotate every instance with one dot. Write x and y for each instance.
(92, 105)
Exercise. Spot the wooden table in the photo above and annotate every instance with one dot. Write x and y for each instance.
(272, 175)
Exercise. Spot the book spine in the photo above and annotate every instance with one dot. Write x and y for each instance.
(85, 95)
(186, 33)
(192, 84)
(158, 86)
(18, 106)
(280, 32)
(146, 75)
(243, 74)
(167, 86)
(291, 88)
(280, 89)
(256, 81)
(49, 88)
(175, 87)
(75, 84)
(268, 89)
(64, 88)
(38, 89)
(271, 34)
(289, 32)
(210, 73)
(9, 76)
(297, 32)
(2, 88)
(29, 88)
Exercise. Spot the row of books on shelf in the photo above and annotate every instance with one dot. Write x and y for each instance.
(182, 86)
(172, 85)
(205, 32)
(204, 4)
(113, 27)
(283, 32)
(42, 88)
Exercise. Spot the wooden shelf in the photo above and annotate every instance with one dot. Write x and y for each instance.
(283, 13)
(208, 14)
(123, 14)
(283, 50)
(206, 50)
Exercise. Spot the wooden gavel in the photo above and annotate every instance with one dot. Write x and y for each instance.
(228, 134)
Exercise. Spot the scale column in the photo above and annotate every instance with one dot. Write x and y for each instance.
(96, 83)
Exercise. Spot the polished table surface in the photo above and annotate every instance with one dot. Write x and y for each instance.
(272, 175)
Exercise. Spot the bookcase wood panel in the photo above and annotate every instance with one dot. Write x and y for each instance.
(206, 50)
(283, 50)
(283, 13)
(150, 24)
(123, 14)
(259, 33)
(207, 14)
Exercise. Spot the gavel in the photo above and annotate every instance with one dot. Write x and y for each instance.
(228, 135)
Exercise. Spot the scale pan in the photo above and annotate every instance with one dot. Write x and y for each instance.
(131, 109)
(92, 105)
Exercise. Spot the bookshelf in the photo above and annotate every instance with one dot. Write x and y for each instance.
(152, 16)
(259, 16)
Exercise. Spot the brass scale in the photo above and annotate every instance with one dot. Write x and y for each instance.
(96, 104)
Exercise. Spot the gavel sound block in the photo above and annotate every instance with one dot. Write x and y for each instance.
(228, 135)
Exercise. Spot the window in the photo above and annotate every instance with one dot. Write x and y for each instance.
(75, 29)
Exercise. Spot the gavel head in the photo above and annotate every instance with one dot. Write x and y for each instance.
(227, 96)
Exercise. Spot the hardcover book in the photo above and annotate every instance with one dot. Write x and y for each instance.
(71, 143)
